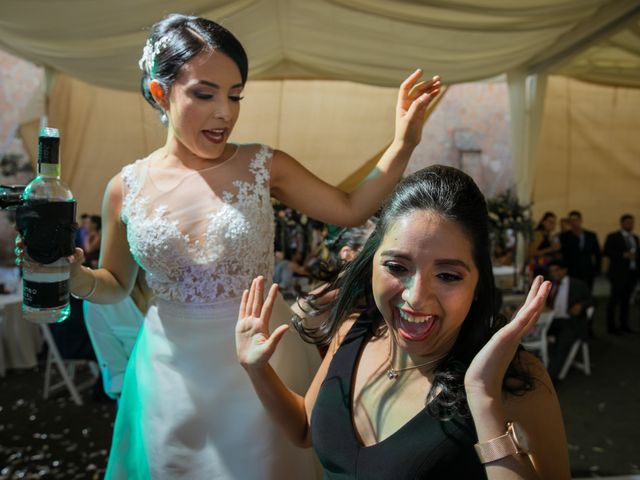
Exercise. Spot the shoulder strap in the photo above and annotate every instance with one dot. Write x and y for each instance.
(132, 178)
(260, 165)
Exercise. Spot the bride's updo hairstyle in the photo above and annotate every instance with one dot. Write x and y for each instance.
(174, 41)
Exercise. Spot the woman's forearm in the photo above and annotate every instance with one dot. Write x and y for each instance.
(97, 286)
(490, 420)
(285, 407)
(367, 198)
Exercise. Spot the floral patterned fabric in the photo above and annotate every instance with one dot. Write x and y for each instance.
(201, 236)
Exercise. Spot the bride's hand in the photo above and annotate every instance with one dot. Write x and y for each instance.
(76, 259)
(485, 375)
(414, 97)
(254, 344)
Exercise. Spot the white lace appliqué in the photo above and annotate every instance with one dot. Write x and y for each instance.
(237, 245)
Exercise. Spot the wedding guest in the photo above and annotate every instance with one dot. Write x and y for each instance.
(581, 251)
(419, 367)
(569, 299)
(623, 250)
(543, 248)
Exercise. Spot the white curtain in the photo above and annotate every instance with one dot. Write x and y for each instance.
(526, 99)
(367, 41)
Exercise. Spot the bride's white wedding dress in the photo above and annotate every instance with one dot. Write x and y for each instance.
(188, 410)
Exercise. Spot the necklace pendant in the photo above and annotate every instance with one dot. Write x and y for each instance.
(392, 374)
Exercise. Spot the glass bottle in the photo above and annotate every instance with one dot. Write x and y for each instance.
(45, 297)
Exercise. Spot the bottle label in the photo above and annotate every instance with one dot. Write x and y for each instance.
(45, 294)
(47, 229)
(49, 169)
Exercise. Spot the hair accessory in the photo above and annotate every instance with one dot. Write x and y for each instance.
(93, 287)
(148, 61)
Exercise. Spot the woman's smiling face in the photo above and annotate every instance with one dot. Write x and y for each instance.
(204, 103)
(424, 279)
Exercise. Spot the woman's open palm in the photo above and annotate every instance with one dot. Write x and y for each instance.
(414, 96)
(485, 375)
(254, 344)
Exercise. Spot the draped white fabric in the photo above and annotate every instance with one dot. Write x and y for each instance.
(368, 41)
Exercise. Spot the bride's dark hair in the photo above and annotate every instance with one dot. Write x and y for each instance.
(454, 195)
(177, 39)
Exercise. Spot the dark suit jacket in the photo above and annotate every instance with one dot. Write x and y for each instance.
(582, 263)
(615, 247)
(579, 292)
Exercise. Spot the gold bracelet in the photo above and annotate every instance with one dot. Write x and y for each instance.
(93, 287)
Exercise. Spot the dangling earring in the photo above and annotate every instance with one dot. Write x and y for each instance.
(163, 118)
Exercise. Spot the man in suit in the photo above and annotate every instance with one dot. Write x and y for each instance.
(581, 251)
(623, 250)
(569, 299)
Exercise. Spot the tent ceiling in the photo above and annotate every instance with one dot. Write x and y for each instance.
(370, 41)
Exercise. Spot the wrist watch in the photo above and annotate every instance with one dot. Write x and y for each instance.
(513, 442)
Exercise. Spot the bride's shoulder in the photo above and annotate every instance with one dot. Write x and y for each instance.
(254, 149)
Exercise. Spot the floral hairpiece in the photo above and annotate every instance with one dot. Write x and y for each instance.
(148, 61)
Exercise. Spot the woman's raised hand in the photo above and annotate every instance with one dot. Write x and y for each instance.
(485, 375)
(414, 97)
(254, 345)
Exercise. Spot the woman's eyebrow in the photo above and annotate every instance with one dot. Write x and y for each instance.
(216, 86)
(453, 262)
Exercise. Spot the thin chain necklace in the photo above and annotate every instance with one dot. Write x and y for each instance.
(393, 373)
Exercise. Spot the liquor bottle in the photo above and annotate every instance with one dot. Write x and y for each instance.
(47, 230)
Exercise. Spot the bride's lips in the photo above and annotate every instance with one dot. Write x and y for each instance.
(418, 329)
(215, 135)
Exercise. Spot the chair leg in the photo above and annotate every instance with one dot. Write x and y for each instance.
(585, 364)
(57, 359)
(569, 360)
(544, 354)
(47, 377)
(586, 359)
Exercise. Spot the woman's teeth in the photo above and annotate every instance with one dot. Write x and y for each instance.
(412, 319)
(216, 134)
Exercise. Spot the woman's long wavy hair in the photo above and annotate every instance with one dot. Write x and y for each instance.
(454, 195)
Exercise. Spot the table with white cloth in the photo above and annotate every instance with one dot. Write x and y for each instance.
(20, 340)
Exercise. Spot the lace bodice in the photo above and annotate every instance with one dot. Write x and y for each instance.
(201, 236)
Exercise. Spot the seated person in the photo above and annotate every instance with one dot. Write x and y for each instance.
(569, 299)
(113, 329)
(285, 272)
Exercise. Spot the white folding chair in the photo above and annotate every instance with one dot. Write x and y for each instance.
(536, 340)
(66, 369)
(578, 345)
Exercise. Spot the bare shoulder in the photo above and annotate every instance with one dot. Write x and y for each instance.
(114, 193)
(342, 332)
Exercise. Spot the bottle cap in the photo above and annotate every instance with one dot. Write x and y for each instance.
(49, 132)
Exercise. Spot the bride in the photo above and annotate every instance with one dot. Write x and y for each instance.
(196, 216)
